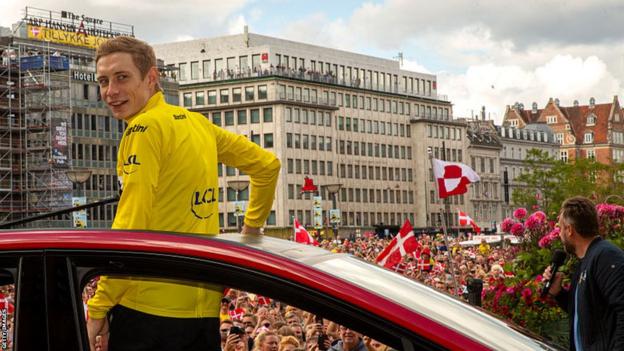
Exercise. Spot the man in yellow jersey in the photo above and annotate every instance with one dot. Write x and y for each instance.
(167, 166)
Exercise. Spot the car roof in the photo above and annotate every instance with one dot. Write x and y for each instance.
(282, 257)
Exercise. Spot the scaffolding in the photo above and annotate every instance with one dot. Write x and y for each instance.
(35, 114)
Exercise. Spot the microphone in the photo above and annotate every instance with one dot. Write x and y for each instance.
(558, 259)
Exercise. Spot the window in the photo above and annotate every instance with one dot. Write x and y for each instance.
(182, 67)
(225, 96)
(216, 118)
(262, 92)
(212, 97)
(236, 94)
(206, 69)
(563, 155)
(199, 98)
(268, 140)
(188, 99)
(194, 70)
(558, 138)
(589, 138)
(255, 116)
(229, 118)
(268, 114)
(242, 117)
(249, 93)
(591, 154)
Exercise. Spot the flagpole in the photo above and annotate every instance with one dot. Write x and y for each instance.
(444, 222)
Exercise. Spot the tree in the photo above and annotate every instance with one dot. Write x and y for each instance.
(547, 182)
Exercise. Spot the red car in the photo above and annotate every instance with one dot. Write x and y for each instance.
(50, 269)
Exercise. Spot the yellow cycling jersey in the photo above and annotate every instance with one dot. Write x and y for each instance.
(167, 166)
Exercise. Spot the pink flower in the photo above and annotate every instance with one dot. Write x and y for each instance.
(510, 291)
(517, 229)
(526, 294)
(545, 241)
(539, 278)
(507, 224)
(540, 215)
(533, 222)
(520, 213)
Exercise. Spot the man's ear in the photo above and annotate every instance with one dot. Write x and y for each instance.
(154, 77)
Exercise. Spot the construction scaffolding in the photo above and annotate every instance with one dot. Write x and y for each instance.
(35, 115)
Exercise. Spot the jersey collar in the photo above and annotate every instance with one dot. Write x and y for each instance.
(154, 101)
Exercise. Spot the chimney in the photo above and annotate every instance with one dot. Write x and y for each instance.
(483, 113)
(534, 108)
(576, 103)
(557, 102)
(592, 102)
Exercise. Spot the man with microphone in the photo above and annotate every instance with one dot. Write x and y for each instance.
(595, 300)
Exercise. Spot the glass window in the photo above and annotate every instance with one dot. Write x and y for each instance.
(255, 138)
(236, 94)
(212, 97)
(194, 70)
(249, 93)
(242, 117)
(188, 99)
(255, 116)
(262, 92)
(268, 114)
(225, 96)
(182, 71)
(200, 98)
(206, 69)
(216, 118)
(268, 140)
(229, 118)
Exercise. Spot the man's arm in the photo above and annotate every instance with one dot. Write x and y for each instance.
(138, 167)
(263, 169)
(609, 276)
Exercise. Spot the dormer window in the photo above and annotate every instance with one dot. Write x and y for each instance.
(514, 122)
(591, 120)
(551, 119)
(567, 126)
(589, 138)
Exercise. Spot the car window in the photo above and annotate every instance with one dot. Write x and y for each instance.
(245, 292)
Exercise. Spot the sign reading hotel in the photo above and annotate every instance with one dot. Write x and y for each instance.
(66, 27)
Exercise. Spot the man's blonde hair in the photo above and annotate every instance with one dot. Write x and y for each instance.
(142, 53)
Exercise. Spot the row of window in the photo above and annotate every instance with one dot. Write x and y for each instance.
(93, 152)
(523, 134)
(211, 67)
(99, 182)
(231, 219)
(453, 200)
(357, 195)
(313, 167)
(308, 142)
(246, 116)
(365, 78)
(305, 116)
(479, 164)
(96, 122)
(452, 155)
(618, 137)
(375, 173)
(359, 219)
(374, 150)
(210, 97)
(441, 132)
(373, 127)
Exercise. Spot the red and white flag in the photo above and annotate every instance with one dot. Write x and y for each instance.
(401, 245)
(453, 177)
(302, 235)
(236, 314)
(465, 220)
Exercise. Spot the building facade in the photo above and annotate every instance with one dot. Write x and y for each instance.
(334, 116)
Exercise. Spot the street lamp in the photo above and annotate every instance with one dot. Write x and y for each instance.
(79, 177)
(333, 190)
(238, 186)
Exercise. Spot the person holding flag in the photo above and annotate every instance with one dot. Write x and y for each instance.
(464, 220)
(402, 244)
(302, 235)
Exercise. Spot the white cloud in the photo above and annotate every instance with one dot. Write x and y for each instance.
(237, 25)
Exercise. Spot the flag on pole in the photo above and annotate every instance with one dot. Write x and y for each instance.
(453, 177)
(402, 244)
(465, 220)
(302, 235)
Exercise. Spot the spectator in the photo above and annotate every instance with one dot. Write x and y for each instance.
(349, 341)
(288, 343)
(267, 341)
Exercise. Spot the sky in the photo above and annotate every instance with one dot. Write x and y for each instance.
(490, 53)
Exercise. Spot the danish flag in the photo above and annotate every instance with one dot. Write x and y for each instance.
(465, 220)
(453, 177)
(402, 244)
(236, 314)
(302, 235)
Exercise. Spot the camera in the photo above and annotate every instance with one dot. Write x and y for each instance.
(318, 319)
(237, 330)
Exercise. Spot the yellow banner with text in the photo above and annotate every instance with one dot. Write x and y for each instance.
(63, 37)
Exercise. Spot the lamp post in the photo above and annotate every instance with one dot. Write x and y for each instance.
(333, 190)
(238, 186)
(79, 177)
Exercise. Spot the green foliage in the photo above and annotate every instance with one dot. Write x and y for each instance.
(556, 180)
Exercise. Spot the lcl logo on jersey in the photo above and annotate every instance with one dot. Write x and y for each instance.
(201, 203)
(131, 165)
